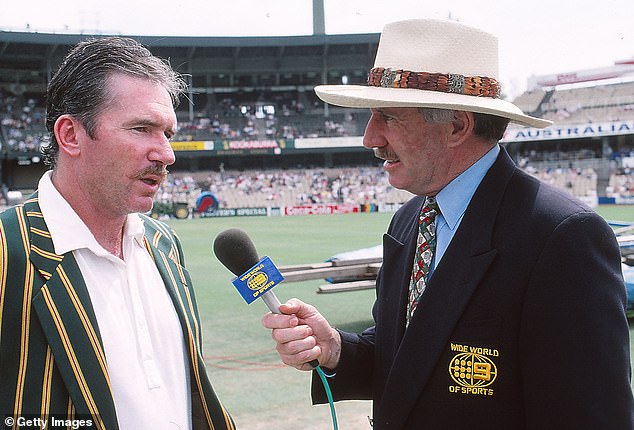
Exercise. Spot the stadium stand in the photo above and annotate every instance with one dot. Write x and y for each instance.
(259, 91)
(22, 122)
(353, 185)
(22, 131)
(596, 103)
(530, 101)
(621, 184)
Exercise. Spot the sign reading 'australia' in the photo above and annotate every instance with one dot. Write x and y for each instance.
(576, 131)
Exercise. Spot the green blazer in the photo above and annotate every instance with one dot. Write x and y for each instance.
(52, 361)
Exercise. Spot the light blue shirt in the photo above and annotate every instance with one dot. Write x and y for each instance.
(454, 199)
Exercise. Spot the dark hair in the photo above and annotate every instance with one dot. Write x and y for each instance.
(80, 85)
(489, 127)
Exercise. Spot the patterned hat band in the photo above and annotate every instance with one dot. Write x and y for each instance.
(479, 86)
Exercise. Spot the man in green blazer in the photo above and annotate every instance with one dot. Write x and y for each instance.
(99, 326)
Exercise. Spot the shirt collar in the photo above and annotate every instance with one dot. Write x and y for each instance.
(67, 229)
(455, 197)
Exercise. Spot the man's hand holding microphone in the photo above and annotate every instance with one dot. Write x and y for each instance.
(304, 338)
(302, 335)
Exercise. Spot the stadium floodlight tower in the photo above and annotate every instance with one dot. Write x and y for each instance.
(319, 21)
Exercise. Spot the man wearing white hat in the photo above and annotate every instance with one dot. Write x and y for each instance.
(500, 302)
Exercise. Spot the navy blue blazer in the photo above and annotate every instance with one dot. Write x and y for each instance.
(522, 325)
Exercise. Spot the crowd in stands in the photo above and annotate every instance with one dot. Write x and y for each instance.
(621, 184)
(576, 181)
(293, 115)
(21, 123)
(264, 122)
(274, 188)
(353, 185)
(22, 127)
(297, 114)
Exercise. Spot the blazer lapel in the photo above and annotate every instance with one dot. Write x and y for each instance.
(448, 293)
(66, 315)
(207, 410)
(177, 281)
(399, 257)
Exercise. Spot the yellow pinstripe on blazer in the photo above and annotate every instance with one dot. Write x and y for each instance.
(52, 362)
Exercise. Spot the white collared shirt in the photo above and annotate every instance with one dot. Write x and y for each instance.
(142, 337)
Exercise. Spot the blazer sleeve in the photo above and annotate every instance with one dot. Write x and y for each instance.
(353, 377)
(581, 368)
(352, 380)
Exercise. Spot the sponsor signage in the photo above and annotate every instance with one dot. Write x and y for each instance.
(319, 209)
(329, 142)
(193, 146)
(235, 147)
(248, 144)
(227, 212)
(576, 131)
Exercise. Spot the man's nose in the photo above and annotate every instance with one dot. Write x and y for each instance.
(373, 136)
(163, 152)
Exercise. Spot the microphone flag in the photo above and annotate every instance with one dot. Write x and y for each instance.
(257, 280)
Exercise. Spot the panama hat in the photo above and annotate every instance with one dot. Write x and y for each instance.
(436, 64)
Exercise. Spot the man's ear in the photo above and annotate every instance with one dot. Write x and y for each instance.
(68, 132)
(462, 127)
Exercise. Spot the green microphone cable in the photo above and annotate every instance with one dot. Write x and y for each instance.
(324, 381)
(234, 248)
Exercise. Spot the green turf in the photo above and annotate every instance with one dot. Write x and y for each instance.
(240, 354)
(241, 358)
(617, 212)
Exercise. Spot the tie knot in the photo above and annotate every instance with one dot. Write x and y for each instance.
(431, 205)
(428, 212)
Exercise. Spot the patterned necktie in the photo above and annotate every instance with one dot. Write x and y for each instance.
(424, 253)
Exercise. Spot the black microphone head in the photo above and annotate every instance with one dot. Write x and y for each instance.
(235, 250)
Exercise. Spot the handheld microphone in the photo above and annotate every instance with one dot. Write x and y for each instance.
(236, 252)
(254, 276)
